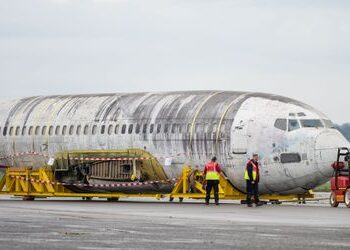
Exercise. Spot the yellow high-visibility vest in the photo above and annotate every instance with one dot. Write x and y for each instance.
(255, 168)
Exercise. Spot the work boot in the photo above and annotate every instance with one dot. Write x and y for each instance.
(217, 203)
(207, 203)
(259, 204)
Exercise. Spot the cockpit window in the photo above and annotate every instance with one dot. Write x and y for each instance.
(328, 124)
(281, 124)
(293, 124)
(311, 123)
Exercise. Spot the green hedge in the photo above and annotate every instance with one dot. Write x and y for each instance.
(323, 188)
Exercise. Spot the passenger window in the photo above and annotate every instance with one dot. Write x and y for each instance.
(51, 130)
(57, 131)
(103, 129)
(131, 126)
(110, 129)
(138, 128)
(159, 126)
(144, 130)
(123, 129)
(78, 129)
(151, 128)
(94, 129)
(37, 130)
(4, 132)
(11, 131)
(86, 129)
(293, 124)
(43, 131)
(71, 129)
(116, 129)
(290, 158)
(64, 130)
(24, 130)
(30, 132)
(166, 128)
(281, 124)
(17, 130)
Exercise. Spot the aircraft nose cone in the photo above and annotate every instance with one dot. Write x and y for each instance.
(326, 147)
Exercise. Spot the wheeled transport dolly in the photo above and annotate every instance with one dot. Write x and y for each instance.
(340, 182)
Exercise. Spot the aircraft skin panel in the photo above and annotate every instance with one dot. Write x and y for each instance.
(188, 126)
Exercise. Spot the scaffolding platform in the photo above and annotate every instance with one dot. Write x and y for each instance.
(34, 183)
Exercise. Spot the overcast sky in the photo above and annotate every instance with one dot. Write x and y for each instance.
(299, 49)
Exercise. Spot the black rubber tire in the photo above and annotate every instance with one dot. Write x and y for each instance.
(347, 198)
(113, 199)
(28, 198)
(332, 200)
(276, 202)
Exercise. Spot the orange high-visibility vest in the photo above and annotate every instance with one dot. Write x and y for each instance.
(212, 171)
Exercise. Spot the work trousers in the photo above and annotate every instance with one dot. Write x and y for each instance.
(252, 190)
(212, 184)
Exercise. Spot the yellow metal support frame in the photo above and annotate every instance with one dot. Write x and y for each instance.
(190, 185)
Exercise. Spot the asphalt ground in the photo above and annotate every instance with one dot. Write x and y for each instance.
(150, 224)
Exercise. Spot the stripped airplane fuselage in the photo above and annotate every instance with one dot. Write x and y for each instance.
(296, 143)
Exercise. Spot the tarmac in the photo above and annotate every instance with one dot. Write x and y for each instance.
(149, 224)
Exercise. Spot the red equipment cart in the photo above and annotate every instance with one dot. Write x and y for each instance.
(340, 182)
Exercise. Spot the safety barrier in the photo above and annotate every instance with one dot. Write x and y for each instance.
(33, 153)
(30, 153)
(131, 184)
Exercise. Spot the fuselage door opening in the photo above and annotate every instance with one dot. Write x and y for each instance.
(239, 139)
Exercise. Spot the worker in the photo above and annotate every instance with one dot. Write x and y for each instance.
(212, 172)
(252, 177)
